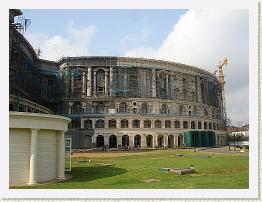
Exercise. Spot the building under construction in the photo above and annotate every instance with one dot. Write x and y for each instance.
(119, 102)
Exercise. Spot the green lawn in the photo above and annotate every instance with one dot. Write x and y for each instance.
(219, 171)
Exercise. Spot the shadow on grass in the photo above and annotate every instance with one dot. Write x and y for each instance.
(85, 174)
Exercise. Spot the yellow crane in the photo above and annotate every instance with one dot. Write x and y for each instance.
(221, 78)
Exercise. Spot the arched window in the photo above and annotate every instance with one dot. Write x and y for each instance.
(185, 124)
(210, 125)
(100, 123)
(214, 126)
(164, 109)
(100, 82)
(100, 141)
(123, 108)
(193, 126)
(205, 112)
(158, 124)
(177, 124)
(137, 141)
(167, 124)
(147, 124)
(136, 124)
(88, 123)
(75, 123)
(124, 123)
(144, 108)
(205, 125)
(199, 125)
(77, 108)
(112, 123)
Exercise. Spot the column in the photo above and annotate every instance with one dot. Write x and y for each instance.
(83, 83)
(153, 141)
(153, 83)
(70, 104)
(93, 123)
(167, 88)
(94, 80)
(106, 140)
(131, 140)
(119, 140)
(88, 81)
(33, 157)
(106, 83)
(118, 123)
(106, 123)
(110, 80)
(165, 141)
(61, 156)
(82, 123)
(72, 85)
(143, 140)
(141, 123)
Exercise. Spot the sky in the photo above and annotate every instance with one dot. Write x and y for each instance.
(202, 38)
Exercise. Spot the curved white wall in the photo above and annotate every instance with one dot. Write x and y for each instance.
(36, 147)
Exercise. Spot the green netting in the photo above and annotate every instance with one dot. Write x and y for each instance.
(204, 139)
(188, 139)
(212, 138)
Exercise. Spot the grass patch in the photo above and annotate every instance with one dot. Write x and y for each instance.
(222, 171)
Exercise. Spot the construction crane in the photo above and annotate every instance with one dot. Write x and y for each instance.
(221, 79)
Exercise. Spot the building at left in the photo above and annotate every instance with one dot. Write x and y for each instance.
(36, 134)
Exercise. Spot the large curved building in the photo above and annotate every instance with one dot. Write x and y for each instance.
(118, 102)
(121, 102)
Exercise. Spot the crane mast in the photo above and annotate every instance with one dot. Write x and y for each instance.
(221, 79)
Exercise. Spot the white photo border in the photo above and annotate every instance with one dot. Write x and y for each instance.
(251, 193)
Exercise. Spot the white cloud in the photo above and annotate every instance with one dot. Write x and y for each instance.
(205, 37)
(76, 42)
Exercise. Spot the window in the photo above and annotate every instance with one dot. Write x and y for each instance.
(167, 124)
(210, 125)
(122, 108)
(124, 123)
(199, 125)
(88, 124)
(144, 108)
(100, 123)
(147, 124)
(158, 124)
(136, 124)
(177, 124)
(112, 123)
(75, 123)
(205, 125)
(193, 125)
(185, 124)
(164, 109)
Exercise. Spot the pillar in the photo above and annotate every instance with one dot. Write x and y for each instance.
(82, 123)
(106, 83)
(94, 80)
(153, 141)
(61, 156)
(141, 123)
(106, 123)
(153, 83)
(106, 140)
(72, 85)
(167, 89)
(110, 80)
(83, 83)
(143, 141)
(88, 84)
(119, 140)
(33, 158)
(131, 140)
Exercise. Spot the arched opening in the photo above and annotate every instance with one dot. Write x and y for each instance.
(100, 123)
(125, 141)
(77, 108)
(158, 124)
(87, 142)
(193, 125)
(124, 123)
(185, 124)
(177, 124)
(180, 140)
(88, 124)
(147, 124)
(210, 126)
(137, 141)
(205, 125)
(160, 141)
(214, 126)
(144, 108)
(149, 141)
(112, 123)
(164, 109)
(112, 141)
(167, 124)
(171, 141)
(205, 112)
(199, 125)
(122, 108)
(100, 141)
(136, 124)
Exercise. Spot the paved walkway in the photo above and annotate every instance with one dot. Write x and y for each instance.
(224, 150)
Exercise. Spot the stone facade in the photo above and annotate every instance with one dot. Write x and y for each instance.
(134, 102)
